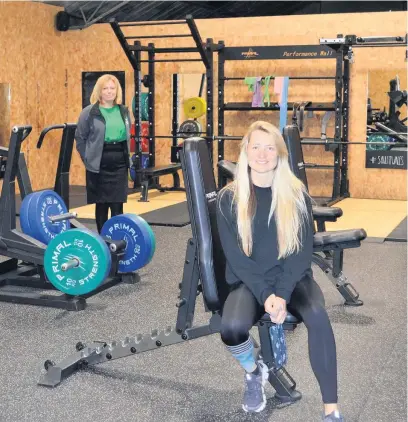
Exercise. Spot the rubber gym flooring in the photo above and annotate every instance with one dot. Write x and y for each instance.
(198, 381)
(162, 209)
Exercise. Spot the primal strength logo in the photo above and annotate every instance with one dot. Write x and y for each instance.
(131, 238)
(51, 203)
(249, 54)
(60, 256)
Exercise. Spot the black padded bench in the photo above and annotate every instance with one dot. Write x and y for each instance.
(201, 198)
(150, 177)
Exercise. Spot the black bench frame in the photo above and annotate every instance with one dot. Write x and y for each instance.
(150, 179)
(204, 272)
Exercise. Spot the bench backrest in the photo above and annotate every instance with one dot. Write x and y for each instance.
(201, 191)
(292, 138)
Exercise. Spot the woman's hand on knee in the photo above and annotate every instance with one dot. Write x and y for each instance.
(275, 306)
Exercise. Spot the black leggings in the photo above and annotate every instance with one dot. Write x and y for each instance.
(241, 311)
(101, 212)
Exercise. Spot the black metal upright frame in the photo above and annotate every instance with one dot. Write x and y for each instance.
(340, 189)
(134, 55)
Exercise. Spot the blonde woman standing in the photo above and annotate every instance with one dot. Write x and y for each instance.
(103, 142)
(266, 229)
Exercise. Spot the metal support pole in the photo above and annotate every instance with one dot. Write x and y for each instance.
(152, 149)
(221, 76)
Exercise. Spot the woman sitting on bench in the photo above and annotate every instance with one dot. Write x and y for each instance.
(266, 230)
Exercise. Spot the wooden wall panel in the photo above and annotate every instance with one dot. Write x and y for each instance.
(34, 70)
(44, 69)
(4, 114)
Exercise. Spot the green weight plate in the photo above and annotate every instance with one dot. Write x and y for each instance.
(375, 138)
(90, 251)
(144, 106)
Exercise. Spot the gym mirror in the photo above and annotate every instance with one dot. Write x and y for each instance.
(386, 110)
(191, 94)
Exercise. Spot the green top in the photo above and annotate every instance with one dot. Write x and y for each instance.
(115, 126)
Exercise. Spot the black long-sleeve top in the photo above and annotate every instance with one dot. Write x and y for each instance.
(263, 273)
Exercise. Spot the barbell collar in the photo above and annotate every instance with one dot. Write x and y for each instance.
(62, 217)
(72, 263)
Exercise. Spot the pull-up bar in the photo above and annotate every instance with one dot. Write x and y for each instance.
(153, 23)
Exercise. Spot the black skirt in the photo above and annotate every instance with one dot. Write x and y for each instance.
(111, 183)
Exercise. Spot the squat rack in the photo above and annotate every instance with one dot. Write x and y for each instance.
(134, 54)
(339, 106)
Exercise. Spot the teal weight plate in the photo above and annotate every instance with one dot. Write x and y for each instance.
(92, 253)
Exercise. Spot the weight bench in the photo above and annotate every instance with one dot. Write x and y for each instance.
(150, 177)
(327, 255)
(204, 273)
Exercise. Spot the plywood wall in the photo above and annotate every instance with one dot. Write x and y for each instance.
(44, 70)
(4, 114)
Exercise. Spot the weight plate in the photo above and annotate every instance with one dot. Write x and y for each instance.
(194, 107)
(145, 129)
(144, 105)
(378, 138)
(145, 145)
(138, 243)
(35, 211)
(143, 223)
(190, 128)
(145, 133)
(24, 213)
(93, 257)
(145, 160)
(132, 173)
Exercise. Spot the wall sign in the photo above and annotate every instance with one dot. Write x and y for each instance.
(393, 159)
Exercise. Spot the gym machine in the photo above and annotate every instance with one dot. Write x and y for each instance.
(24, 266)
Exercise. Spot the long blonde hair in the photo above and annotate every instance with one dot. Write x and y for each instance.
(96, 93)
(288, 196)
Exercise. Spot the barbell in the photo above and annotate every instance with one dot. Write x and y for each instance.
(310, 141)
(78, 260)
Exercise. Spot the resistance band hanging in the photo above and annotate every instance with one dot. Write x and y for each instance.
(282, 89)
(254, 85)
(266, 98)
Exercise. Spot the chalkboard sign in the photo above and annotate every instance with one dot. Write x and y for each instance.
(394, 159)
(89, 80)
